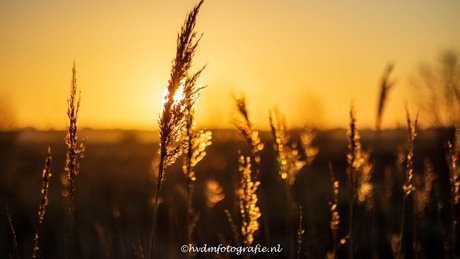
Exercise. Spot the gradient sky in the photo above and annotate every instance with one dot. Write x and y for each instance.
(308, 58)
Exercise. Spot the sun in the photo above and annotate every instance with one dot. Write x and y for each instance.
(178, 95)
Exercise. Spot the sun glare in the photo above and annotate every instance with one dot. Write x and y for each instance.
(179, 94)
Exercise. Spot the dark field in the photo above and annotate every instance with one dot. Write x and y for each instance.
(115, 191)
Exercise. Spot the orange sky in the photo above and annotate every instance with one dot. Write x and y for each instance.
(308, 58)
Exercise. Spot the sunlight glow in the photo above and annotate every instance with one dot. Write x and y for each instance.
(309, 58)
(178, 95)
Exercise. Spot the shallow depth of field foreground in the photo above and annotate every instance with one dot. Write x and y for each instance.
(270, 182)
(114, 197)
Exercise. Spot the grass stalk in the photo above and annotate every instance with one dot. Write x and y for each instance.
(234, 227)
(154, 219)
(178, 99)
(189, 174)
(385, 87)
(289, 155)
(247, 196)
(335, 216)
(15, 254)
(194, 152)
(249, 134)
(352, 171)
(454, 180)
(46, 175)
(408, 186)
(300, 232)
(291, 159)
(249, 210)
(359, 174)
(75, 150)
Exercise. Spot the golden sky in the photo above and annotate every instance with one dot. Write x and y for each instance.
(308, 58)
